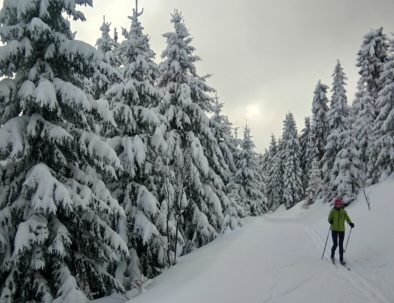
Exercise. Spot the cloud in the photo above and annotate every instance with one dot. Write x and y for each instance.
(266, 56)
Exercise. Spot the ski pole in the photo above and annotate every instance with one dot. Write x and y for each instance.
(324, 250)
(367, 199)
(348, 239)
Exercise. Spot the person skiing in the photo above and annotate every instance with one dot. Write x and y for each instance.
(337, 218)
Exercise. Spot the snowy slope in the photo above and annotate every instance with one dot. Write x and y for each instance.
(277, 258)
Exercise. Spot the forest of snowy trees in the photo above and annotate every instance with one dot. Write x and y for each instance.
(112, 166)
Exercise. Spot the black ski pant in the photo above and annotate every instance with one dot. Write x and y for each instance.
(335, 236)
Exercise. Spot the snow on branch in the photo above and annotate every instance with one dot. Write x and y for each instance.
(198, 153)
(147, 201)
(144, 227)
(31, 232)
(69, 291)
(61, 240)
(45, 192)
(102, 108)
(94, 147)
(111, 237)
(13, 143)
(71, 95)
(7, 94)
(39, 30)
(47, 131)
(74, 50)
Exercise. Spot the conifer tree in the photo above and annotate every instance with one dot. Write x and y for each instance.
(346, 172)
(319, 126)
(371, 58)
(315, 184)
(184, 105)
(105, 44)
(252, 196)
(292, 184)
(275, 187)
(269, 171)
(337, 118)
(263, 178)
(382, 150)
(105, 74)
(306, 153)
(138, 141)
(221, 128)
(56, 215)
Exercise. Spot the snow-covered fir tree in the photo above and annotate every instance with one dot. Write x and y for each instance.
(346, 172)
(56, 215)
(337, 118)
(275, 177)
(106, 44)
(315, 184)
(263, 178)
(222, 130)
(306, 153)
(292, 172)
(138, 141)
(105, 73)
(116, 37)
(371, 58)
(382, 150)
(185, 105)
(271, 187)
(252, 195)
(319, 123)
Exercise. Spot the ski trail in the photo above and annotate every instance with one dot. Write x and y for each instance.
(356, 279)
(267, 261)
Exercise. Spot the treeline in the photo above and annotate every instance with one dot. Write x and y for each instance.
(342, 148)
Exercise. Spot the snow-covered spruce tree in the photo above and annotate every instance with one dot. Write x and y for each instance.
(292, 184)
(346, 172)
(263, 178)
(222, 130)
(185, 105)
(337, 118)
(106, 44)
(138, 143)
(306, 153)
(383, 127)
(105, 74)
(315, 185)
(252, 196)
(269, 171)
(56, 215)
(319, 126)
(371, 58)
(116, 37)
(275, 179)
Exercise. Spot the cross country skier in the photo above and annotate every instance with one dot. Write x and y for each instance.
(337, 218)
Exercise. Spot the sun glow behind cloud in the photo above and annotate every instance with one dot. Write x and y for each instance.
(253, 111)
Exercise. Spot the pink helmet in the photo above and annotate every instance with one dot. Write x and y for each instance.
(338, 202)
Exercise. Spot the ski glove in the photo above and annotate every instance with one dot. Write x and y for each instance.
(351, 224)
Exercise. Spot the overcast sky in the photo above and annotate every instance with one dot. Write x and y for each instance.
(266, 56)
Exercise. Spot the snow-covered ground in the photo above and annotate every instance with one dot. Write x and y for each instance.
(277, 258)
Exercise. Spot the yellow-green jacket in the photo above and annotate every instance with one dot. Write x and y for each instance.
(338, 217)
